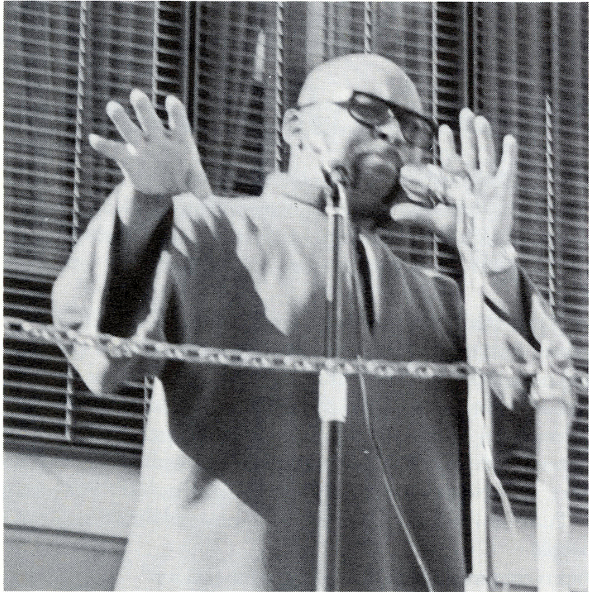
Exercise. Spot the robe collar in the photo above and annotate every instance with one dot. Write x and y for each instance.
(311, 194)
(288, 186)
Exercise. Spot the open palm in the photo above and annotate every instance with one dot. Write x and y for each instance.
(157, 160)
(493, 186)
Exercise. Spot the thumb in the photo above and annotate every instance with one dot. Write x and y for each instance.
(407, 213)
(441, 219)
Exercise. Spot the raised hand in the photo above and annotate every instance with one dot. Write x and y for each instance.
(493, 186)
(155, 159)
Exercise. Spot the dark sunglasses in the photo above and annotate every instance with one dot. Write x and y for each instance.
(373, 112)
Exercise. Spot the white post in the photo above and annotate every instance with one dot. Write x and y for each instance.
(471, 245)
(551, 396)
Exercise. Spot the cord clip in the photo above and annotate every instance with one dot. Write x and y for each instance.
(333, 396)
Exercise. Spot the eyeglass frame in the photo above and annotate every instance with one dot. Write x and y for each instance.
(394, 107)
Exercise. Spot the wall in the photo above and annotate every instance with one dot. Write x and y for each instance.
(65, 524)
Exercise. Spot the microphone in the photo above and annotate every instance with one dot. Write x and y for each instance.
(334, 172)
(335, 175)
(428, 185)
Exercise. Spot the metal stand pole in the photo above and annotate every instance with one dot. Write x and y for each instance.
(332, 410)
(471, 237)
(551, 396)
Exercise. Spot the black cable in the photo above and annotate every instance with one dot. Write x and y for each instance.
(388, 482)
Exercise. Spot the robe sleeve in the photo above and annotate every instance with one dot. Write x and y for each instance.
(506, 346)
(513, 412)
(92, 296)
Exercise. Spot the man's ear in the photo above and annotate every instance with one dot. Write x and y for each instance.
(291, 127)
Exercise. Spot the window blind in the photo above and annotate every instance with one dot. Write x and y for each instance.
(62, 62)
(239, 65)
(530, 78)
(253, 57)
(426, 40)
(248, 60)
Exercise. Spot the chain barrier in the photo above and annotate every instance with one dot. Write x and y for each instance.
(119, 347)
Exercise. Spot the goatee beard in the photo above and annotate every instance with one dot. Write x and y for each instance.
(382, 218)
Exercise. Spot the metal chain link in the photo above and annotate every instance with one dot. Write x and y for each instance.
(119, 347)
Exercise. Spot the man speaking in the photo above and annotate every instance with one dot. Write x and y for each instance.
(229, 484)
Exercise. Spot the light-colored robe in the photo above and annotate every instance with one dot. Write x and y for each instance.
(229, 481)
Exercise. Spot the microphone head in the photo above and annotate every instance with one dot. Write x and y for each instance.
(333, 172)
(336, 175)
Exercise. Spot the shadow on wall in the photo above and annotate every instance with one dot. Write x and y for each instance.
(36, 559)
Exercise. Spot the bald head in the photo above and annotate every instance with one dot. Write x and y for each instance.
(335, 80)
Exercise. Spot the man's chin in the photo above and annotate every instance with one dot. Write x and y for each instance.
(378, 209)
(394, 196)
(375, 187)
(374, 190)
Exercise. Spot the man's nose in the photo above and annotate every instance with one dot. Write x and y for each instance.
(391, 132)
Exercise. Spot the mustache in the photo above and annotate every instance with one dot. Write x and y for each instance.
(381, 149)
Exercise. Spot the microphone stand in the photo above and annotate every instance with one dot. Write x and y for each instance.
(332, 402)
(471, 235)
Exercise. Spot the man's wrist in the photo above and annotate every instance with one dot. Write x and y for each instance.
(138, 216)
(139, 210)
(500, 258)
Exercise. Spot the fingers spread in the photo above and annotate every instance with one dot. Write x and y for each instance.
(177, 118)
(468, 141)
(507, 168)
(128, 130)
(486, 147)
(506, 178)
(449, 158)
(145, 112)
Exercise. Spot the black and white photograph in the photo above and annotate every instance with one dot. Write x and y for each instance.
(295, 296)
